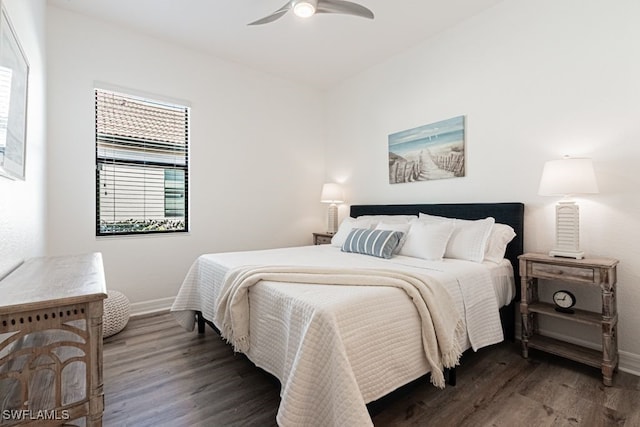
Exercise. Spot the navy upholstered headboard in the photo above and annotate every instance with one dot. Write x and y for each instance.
(506, 213)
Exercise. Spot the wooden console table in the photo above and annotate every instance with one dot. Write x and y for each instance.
(51, 342)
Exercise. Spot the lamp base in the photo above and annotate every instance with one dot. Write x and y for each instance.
(567, 231)
(563, 253)
(332, 220)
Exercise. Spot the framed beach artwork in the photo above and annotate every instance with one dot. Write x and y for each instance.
(425, 153)
(14, 74)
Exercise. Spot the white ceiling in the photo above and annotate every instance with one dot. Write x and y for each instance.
(320, 51)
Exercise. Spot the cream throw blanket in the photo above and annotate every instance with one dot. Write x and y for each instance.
(441, 323)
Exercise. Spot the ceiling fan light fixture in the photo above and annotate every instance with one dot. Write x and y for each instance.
(304, 9)
(308, 8)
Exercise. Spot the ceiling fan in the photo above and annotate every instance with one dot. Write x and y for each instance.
(307, 8)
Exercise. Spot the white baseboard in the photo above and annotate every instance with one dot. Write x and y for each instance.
(629, 362)
(151, 307)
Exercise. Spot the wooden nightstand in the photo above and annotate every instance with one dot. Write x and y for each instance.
(322, 238)
(598, 273)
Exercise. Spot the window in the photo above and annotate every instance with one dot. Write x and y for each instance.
(142, 165)
(174, 193)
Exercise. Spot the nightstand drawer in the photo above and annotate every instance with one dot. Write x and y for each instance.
(323, 240)
(565, 272)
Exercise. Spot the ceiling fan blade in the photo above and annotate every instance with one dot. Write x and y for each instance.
(275, 15)
(344, 7)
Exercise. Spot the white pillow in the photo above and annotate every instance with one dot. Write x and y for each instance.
(426, 217)
(389, 219)
(500, 236)
(345, 228)
(427, 240)
(469, 238)
(403, 228)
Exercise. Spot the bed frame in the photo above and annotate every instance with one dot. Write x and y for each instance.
(506, 213)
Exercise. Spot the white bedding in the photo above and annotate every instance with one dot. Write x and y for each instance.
(336, 348)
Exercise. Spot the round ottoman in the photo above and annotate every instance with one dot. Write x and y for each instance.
(116, 313)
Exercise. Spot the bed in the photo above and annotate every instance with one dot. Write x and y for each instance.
(337, 346)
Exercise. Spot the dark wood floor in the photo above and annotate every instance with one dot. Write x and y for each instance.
(157, 374)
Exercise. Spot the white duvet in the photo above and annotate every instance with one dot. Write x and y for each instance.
(335, 348)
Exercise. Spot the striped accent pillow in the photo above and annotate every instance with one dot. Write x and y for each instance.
(379, 243)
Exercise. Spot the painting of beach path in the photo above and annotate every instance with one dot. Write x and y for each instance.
(434, 151)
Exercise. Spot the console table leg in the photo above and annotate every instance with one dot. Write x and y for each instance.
(95, 380)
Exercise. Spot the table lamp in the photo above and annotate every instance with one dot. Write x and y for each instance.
(566, 177)
(332, 194)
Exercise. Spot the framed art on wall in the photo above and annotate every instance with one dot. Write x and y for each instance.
(433, 151)
(14, 74)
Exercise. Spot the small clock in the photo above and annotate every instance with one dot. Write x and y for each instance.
(564, 300)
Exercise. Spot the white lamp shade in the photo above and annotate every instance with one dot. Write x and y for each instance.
(568, 176)
(332, 193)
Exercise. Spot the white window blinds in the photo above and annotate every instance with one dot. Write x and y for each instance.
(142, 159)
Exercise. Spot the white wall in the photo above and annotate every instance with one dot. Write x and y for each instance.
(257, 156)
(22, 203)
(535, 80)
